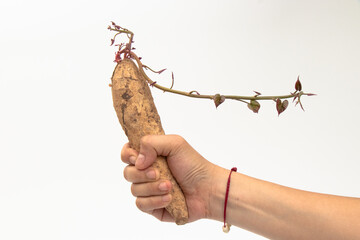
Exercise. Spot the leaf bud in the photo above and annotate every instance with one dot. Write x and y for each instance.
(298, 86)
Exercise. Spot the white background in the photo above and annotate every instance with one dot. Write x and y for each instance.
(60, 141)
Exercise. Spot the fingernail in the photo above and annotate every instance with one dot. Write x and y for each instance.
(151, 174)
(132, 159)
(166, 198)
(140, 159)
(163, 186)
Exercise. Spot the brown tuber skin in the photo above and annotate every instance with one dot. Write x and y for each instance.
(137, 114)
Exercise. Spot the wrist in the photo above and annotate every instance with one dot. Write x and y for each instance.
(217, 194)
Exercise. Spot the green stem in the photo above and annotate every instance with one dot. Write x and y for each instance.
(190, 94)
(123, 30)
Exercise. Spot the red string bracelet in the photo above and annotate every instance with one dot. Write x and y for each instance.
(226, 227)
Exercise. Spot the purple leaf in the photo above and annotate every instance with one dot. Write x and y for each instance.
(281, 106)
(218, 99)
(117, 57)
(285, 104)
(254, 106)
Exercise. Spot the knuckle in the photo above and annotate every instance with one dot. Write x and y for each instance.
(179, 141)
(126, 153)
(139, 204)
(145, 140)
(123, 152)
(126, 173)
(133, 190)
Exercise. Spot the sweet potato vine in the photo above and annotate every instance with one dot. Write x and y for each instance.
(125, 50)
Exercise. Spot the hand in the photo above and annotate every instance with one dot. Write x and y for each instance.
(262, 207)
(190, 169)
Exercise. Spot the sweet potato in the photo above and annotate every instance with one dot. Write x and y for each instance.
(138, 117)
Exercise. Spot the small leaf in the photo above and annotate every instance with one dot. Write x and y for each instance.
(257, 93)
(298, 86)
(254, 106)
(281, 106)
(112, 42)
(114, 24)
(117, 57)
(285, 104)
(152, 84)
(161, 71)
(218, 99)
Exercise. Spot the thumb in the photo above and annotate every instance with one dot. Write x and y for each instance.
(152, 146)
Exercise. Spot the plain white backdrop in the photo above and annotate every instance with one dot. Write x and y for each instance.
(60, 141)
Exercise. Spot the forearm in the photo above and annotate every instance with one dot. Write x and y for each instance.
(279, 212)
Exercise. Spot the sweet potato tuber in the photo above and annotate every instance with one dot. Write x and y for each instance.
(138, 117)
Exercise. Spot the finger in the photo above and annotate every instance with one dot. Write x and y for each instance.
(131, 174)
(151, 189)
(152, 146)
(128, 155)
(147, 204)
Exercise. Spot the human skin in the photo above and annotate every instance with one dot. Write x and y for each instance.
(265, 208)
